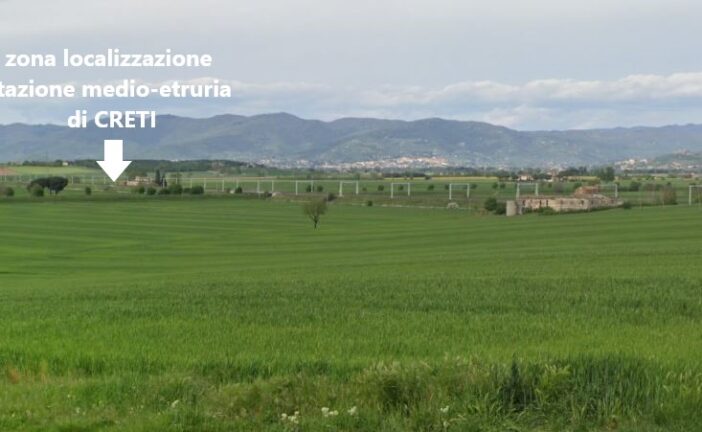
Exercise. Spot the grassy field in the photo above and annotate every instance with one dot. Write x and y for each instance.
(416, 192)
(219, 314)
(49, 170)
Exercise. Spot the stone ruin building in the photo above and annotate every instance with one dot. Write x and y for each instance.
(584, 198)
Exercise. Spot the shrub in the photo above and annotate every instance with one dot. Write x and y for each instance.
(197, 190)
(164, 191)
(670, 197)
(331, 197)
(320, 188)
(430, 187)
(175, 189)
(36, 191)
(308, 188)
(88, 191)
(369, 203)
(381, 188)
(239, 190)
(140, 190)
(490, 204)
(627, 205)
(151, 191)
(7, 192)
(493, 206)
(634, 186)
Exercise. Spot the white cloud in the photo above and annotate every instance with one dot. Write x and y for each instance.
(634, 88)
(370, 43)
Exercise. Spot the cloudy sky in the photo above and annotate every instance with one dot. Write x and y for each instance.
(527, 64)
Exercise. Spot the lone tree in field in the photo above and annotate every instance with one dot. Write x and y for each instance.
(54, 184)
(314, 210)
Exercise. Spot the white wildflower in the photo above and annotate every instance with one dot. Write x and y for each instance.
(352, 411)
(445, 409)
(327, 412)
(293, 419)
(175, 403)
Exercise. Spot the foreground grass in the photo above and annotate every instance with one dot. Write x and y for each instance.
(225, 314)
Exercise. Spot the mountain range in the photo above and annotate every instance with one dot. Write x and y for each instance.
(285, 139)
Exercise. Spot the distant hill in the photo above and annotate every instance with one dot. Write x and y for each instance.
(284, 138)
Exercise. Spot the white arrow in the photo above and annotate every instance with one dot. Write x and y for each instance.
(114, 165)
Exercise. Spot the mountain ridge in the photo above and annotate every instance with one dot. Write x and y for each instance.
(283, 138)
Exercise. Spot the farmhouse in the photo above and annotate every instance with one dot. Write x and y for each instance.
(139, 181)
(585, 198)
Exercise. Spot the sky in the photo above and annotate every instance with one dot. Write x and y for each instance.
(525, 64)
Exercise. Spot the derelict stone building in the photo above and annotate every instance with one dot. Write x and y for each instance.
(584, 199)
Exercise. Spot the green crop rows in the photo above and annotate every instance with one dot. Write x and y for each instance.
(200, 314)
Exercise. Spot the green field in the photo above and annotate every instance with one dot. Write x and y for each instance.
(357, 188)
(221, 314)
(30, 170)
(417, 192)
